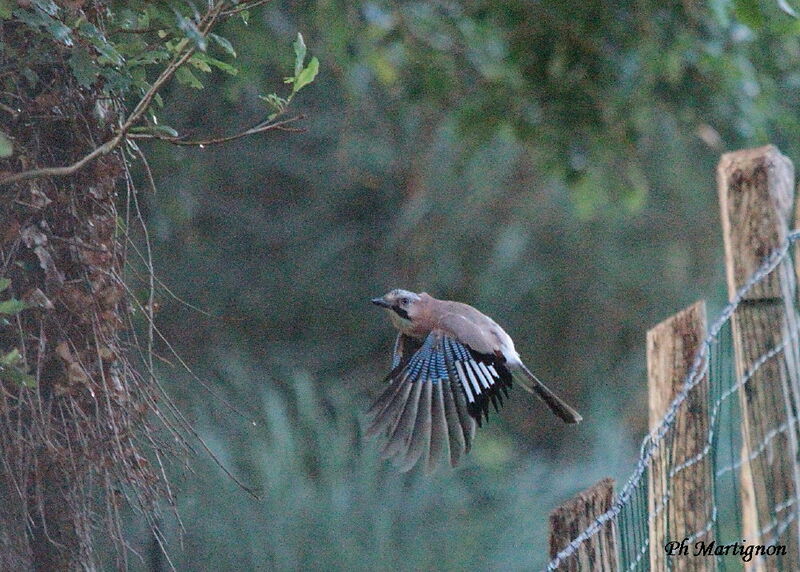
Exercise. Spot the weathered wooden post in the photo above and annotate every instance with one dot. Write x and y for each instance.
(756, 191)
(599, 553)
(680, 496)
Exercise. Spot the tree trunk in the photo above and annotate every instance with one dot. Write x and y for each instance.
(66, 441)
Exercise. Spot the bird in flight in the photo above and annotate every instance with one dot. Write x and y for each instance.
(450, 362)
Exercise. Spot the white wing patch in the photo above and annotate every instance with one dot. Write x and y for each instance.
(476, 377)
(484, 379)
(464, 382)
(486, 375)
(475, 385)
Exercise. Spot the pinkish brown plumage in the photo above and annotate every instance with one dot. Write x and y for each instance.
(450, 362)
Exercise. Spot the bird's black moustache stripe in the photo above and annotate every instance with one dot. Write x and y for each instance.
(400, 312)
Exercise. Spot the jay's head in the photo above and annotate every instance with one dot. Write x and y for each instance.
(403, 306)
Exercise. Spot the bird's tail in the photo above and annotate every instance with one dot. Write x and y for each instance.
(553, 401)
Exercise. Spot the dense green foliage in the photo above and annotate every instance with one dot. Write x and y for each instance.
(127, 53)
(551, 163)
(11, 366)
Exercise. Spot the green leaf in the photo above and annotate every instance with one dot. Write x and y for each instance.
(23, 379)
(4, 283)
(5, 9)
(12, 306)
(116, 81)
(47, 6)
(749, 13)
(204, 62)
(245, 16)
(300, 54)
(185, 76)
(307, 75)
(277, 103)
(222, 66)
(223, 43)
(164, 129)
(200, 63)
(60, 31)
(154, 56)
(83, 67)
(40, 18)
(99, 41)
(127, 19)
(11, 358)
(9, 369)
(6, 150)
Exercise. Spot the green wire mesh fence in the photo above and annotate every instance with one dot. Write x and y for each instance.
(717, 483)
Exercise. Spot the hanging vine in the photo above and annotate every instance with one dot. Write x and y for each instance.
(84, 425)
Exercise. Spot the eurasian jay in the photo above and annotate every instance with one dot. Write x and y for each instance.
(450, 361)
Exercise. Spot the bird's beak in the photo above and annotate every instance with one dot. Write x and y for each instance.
(381, 302)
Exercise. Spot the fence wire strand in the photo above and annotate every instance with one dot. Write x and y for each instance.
(721, 446)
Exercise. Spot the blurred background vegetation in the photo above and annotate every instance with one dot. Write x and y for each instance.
(551, 163)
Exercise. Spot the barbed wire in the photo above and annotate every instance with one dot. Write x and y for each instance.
(654, 439)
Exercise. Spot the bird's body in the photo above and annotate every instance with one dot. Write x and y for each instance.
(450, 362)
(459, 321)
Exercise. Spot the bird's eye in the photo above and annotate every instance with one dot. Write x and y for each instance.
(404, 301)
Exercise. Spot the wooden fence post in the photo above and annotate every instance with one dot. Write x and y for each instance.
(599, 553)
(680, 505)
(756, 191)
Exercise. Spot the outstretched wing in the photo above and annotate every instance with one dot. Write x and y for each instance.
(404, 347)
(434, 397)
(484, 378)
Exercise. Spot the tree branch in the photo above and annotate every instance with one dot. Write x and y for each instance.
(260, 128)
(204, 28)
(9, 109)
(242, 7)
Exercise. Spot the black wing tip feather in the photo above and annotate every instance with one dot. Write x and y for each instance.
(479, 409)
(446, 428)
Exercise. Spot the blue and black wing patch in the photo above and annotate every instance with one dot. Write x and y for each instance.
(484, 378)
(438, 390)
